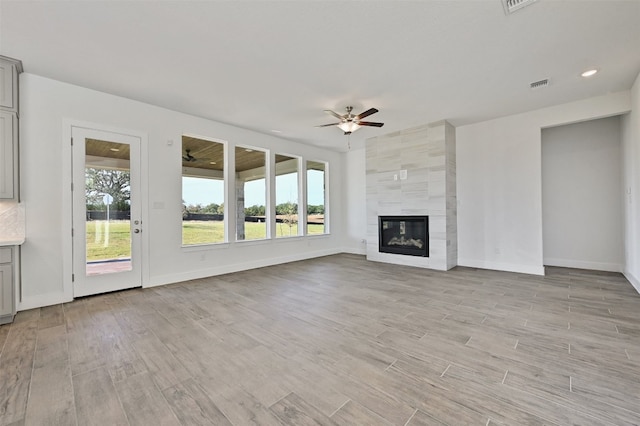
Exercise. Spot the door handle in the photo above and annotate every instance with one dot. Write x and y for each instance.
(137, 231)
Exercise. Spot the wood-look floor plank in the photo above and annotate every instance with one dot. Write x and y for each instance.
(237, 405)
(420, 418)
(353, 413)
(85, 351)
(16, 366)
(192, 405)
(4, 332)
(51, 316)
(164, 368)
(51, 399)
(143, 403)
(96, 400)
(295, 411)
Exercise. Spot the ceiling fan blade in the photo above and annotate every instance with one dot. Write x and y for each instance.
(366, 113)
(370, 123)
(335, 114)
(327, 125)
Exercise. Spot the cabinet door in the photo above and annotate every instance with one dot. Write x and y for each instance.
(7, 83)
(7, 154)
(6, 289)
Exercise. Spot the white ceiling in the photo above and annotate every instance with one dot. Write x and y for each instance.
(275, 65)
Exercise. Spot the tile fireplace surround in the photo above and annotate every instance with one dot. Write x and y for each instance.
(413, 172)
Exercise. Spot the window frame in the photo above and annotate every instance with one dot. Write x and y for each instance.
(225, 220)
(299, 211)
(267, 187)
(326, 219)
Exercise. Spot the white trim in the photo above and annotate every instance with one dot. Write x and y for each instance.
(635, 282)
(501, 266)
(581, 264)
(326, 195)
(238, 267)
(353, 250)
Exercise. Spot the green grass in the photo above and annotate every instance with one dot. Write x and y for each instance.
(212, 231)
(193, 232)
(117, 247)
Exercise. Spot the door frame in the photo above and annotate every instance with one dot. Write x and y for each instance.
(67, 198)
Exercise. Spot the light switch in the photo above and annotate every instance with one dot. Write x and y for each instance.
(403, 174)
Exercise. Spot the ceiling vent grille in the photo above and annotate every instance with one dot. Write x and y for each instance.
(511, 6)
(539, 84)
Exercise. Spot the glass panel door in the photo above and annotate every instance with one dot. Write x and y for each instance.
(106, 225)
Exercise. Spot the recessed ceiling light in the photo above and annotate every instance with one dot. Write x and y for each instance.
(248, 150)
(114, 149)
(212, 162)
(276, 131)
(589, 73)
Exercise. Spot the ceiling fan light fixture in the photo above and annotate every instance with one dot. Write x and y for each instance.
(348, 127)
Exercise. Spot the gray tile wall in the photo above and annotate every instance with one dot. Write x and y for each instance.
(428, 154)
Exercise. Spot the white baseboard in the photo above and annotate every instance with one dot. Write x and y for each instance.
(635, 282)
(354, 250)
(501, 266)
(237, 267)
(581, 264)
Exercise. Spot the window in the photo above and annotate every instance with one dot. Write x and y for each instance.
(286, 196)
(251, 194)
(316, 172)
(202, 191)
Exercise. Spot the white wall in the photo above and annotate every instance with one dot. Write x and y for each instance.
(631, 187)
(499, 183)
(48, 106)
(355, 202)
(582, 195)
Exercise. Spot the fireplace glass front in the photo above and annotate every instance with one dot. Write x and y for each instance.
(404, 235)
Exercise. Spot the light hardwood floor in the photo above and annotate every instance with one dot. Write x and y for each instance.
(334, 340)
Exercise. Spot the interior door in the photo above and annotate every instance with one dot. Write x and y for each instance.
(106, 212)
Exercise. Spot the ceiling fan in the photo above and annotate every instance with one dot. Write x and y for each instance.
(188, 157)
(349, 122)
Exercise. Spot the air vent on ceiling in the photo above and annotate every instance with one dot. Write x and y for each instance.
(511, 6)
(539, 84)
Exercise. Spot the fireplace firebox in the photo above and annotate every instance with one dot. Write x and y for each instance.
(407, 235)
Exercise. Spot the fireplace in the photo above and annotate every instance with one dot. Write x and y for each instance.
(404, 235)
